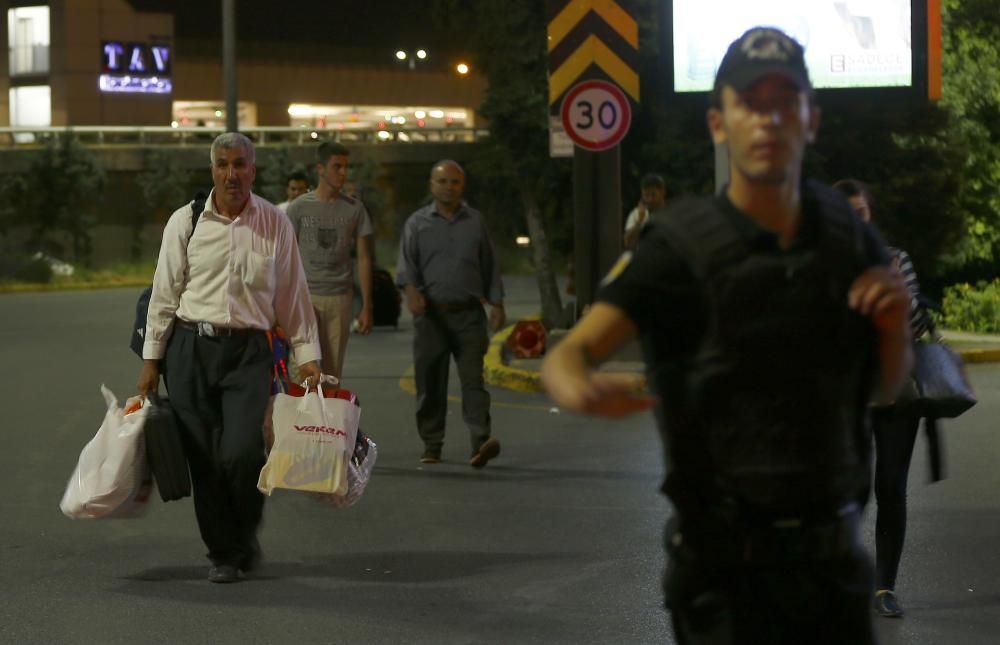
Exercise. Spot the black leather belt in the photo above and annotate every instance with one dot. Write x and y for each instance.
(210, 330)
(456, 306)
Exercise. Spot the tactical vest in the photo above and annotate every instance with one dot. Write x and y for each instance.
(769, 412)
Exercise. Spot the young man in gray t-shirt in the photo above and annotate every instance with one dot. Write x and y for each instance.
(328, 223)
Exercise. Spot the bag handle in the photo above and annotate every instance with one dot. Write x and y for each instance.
(319, 392)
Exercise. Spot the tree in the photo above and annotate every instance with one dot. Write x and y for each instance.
(62, 187)
(165, 184)
(509, 41)
(971, 88)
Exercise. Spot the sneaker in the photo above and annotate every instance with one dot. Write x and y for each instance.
(887, 605)
(430, 457)
(223, 574)
(489, 450)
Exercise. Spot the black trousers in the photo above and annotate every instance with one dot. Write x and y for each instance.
(895, 434)
(826, 601)
(219, 389)
(439, 336)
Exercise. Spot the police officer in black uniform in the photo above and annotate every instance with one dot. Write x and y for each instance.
(769, 318)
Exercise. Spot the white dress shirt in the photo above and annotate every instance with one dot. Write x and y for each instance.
(243, 273)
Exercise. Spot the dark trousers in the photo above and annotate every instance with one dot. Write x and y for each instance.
(219, 390)
(895, 435)
(826, 601)
(439, 336)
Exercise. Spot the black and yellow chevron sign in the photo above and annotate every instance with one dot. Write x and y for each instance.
(592, 39)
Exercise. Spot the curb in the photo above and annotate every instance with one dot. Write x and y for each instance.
(499, 374)
(987, 355)
(72, 286)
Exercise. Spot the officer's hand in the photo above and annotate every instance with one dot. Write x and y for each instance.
(497, 317)
(310, 373)
(604, 394)
(880, 294)
(365, 320)
(415, 301)
(149, 377)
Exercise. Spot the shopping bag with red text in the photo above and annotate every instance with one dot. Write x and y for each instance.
(314, 436)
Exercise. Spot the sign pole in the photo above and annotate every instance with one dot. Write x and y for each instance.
(596, 219)
(229, 63)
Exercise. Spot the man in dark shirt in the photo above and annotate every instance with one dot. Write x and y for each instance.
(448, 269)
(769, 317)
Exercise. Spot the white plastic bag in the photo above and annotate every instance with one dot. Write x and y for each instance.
(314, 437)
(112, 478)
(359, 473)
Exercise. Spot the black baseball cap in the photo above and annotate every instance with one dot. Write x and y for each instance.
(760, 52)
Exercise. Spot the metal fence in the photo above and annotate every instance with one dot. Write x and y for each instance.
(27, 137)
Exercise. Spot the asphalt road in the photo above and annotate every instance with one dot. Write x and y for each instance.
(558, 541)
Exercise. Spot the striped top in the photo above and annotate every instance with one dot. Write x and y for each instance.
(919, 318)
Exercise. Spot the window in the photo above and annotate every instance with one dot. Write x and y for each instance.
(31, 106)
(28, 30)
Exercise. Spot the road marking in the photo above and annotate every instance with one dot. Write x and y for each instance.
(409, 385)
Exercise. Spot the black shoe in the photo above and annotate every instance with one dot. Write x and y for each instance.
(223, 574)
(886, 604)
(489, 450)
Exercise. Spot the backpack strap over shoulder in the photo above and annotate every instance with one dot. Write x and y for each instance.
(843, 238)
(197, 207)
(701, 235)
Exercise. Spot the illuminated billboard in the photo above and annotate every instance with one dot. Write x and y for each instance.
(848, 43)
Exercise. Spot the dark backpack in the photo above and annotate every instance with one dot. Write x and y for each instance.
(142, 306)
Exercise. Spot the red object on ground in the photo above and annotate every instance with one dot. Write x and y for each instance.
(527, 340)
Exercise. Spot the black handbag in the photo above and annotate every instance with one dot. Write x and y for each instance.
(939, 387)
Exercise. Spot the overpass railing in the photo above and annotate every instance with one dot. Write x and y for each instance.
(27, 137)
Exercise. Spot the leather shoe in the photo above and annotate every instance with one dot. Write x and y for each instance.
(223, 574)
(887, 605)
(489, 450)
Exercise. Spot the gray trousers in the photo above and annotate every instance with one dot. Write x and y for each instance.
(439, 336)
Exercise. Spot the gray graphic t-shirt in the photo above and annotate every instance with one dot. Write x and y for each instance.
(327, 231)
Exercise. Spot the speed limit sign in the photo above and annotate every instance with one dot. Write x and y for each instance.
(596, 114)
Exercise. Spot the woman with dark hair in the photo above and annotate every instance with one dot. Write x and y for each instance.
(895, 434)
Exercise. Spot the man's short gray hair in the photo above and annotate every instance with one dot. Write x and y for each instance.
(230, 140)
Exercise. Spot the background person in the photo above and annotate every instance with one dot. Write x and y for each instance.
(895, 433)
(449, 270)
(296, 186)
(761, 314)
(654, 196)
(328, 222)
(216, 292)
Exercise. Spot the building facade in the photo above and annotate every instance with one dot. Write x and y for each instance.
(107, 63)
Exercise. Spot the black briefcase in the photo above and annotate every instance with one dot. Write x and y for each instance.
(165, 452)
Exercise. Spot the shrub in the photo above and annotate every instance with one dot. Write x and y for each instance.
(24, 269)
(973, 308)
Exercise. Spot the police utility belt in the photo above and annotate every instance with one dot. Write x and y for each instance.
(779, 541)
(212, 331)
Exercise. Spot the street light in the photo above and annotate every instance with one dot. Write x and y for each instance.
(411, 60)
(462, 69)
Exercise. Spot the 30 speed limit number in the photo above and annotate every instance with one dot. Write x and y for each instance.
(596, 114)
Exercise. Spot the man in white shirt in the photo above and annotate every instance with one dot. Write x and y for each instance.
(654, 196)
(218, 287)
(297, 185)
